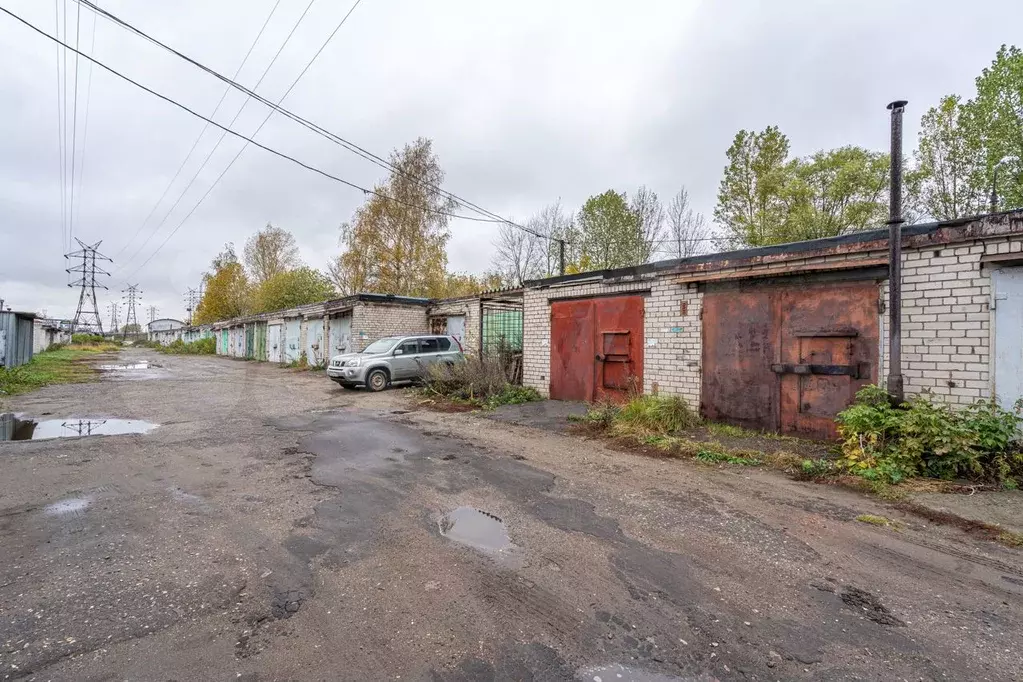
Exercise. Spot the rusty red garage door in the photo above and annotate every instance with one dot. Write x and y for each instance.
(788, 356)
(596, 348)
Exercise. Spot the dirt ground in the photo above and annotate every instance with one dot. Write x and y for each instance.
(276, 527)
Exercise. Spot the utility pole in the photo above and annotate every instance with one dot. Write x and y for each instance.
(561, 256)
(132, 296)
(114, 308)
(896, 385)
(191, 303)
(87, 315)
(153, 310)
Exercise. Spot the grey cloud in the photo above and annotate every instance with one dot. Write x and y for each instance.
(526, 102)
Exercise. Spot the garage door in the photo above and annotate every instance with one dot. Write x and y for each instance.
(596, 348)
(788, 357)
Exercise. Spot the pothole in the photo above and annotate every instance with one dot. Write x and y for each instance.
(480, 530)
(16, 427)
(145, 364)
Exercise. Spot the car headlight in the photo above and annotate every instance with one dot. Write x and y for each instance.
(354, 362)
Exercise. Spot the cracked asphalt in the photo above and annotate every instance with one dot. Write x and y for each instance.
(276, 527)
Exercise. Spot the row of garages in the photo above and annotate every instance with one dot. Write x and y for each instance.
(777, 338)
(312, 334)
(781, 338)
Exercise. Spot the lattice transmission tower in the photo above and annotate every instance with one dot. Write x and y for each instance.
(87, 317)
(132, 295)
(114, 316)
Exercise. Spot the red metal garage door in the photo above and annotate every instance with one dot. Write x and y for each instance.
(596, 348)
(788, 358)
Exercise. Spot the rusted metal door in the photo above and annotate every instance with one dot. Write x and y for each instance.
(596, 348)
(619, 340)
(828, 351)
(572, 327)
(788, 358)
(738, 349)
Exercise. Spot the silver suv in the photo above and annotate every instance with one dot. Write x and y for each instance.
(393, 358)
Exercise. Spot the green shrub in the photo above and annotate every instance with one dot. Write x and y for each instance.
(207, 346)
(923, 438)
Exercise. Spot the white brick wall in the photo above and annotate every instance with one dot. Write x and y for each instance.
(371, 321)
(947, 319)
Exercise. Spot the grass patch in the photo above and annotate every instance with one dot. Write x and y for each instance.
(876, 520)
(651, 414)
(1010, 539)
(59, 366)
(715, 457)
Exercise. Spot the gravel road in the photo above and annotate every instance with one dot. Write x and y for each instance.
(275, 527)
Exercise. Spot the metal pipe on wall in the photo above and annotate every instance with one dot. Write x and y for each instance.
(896, 384)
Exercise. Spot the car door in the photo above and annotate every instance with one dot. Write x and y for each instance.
(429, 353)
(405, 364)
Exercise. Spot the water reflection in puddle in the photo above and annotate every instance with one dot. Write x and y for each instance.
(480, 530)
(70, 507)
(13, 427)
(622, 673)
(129, 366)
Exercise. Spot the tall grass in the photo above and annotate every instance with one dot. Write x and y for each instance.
(647, 415)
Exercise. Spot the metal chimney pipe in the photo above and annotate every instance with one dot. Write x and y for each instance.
(896, 385)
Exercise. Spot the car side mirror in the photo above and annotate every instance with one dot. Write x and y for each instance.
(399, 352)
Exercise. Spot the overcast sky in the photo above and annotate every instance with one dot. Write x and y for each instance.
(526, 102)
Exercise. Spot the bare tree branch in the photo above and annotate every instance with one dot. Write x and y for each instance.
(688, 233)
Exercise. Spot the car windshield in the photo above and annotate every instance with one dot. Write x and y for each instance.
(381, 345)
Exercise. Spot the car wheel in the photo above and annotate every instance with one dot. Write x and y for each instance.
(377, 380)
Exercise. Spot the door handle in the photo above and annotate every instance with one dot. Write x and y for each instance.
(600, 357)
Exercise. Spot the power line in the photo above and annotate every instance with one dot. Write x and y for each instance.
(243, 137)
(74, 126)
(212, 151)
(60, 131)
(333, 137)
(85, 129)
(64, 82)
(205, 127)
(236, 134)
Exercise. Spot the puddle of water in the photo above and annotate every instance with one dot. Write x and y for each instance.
(71, 506)
(480, 530)
(13, 427)
(125, 367)
(623, 673)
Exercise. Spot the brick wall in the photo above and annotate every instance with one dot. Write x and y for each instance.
(371, 321)
(470, 308)
(947, 319)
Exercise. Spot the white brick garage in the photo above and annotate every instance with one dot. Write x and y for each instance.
(948, 320)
